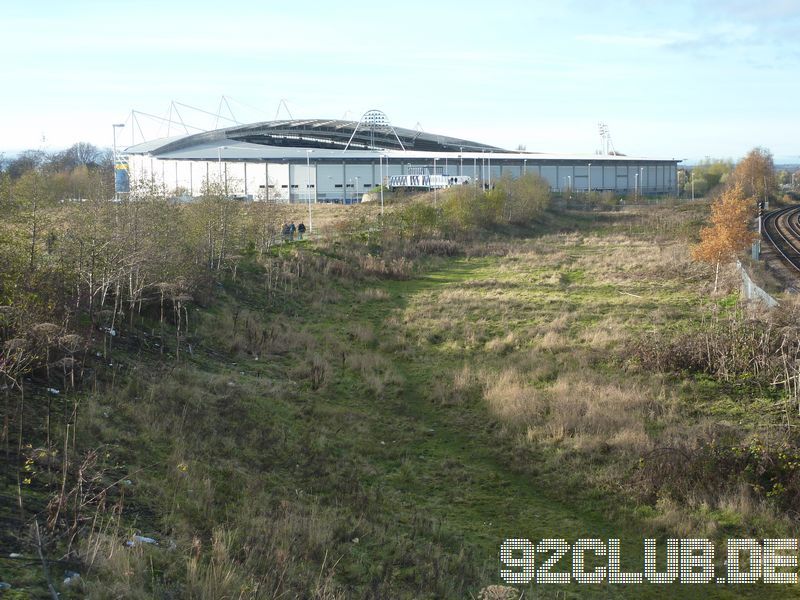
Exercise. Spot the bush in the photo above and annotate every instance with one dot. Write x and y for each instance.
(465, 210)
(416, 220)
(523, 200)
(736, 347)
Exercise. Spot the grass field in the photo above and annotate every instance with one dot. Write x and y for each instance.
(352, 436)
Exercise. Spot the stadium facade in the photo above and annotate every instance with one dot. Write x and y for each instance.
(323, 160)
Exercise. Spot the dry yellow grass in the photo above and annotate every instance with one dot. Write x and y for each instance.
(502, 345)
(552, 340)
(512, 401)
(369, 294)
(576, 409)
(604, 334)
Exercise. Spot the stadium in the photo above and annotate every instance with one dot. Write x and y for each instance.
(325, 160)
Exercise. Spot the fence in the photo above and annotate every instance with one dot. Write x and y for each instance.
(751, 291)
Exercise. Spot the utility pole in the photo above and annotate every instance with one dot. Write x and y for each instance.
(308, 186)
(114, 169)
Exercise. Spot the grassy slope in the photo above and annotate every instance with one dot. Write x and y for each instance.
(463, 477)
(384, 478)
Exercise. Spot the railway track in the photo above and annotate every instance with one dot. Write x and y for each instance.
(782, 230)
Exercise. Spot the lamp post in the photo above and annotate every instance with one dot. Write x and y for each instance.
(308, 186)
(636, 186)
(433, 185)
(490, 169)
(475, 175)
(380, 158)
(219, 168)
(355, 195)
(114, 168)
(589, 185)
(524, 166)
(461, 162)
(692, 177)
(641, 179)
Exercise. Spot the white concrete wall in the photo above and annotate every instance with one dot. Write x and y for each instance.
(257, 179)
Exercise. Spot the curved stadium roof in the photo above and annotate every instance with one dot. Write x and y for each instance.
(320, 133)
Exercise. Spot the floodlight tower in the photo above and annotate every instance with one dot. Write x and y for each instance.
(374, 120)
(606, 145)
(601, 129)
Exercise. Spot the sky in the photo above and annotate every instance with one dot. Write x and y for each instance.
(680, 79)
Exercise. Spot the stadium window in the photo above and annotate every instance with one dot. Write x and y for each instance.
(367, 185)
(338, 185)
(284, 186)
(270, 186)
(294, 185)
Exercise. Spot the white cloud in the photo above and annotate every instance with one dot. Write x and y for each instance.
(635, 41)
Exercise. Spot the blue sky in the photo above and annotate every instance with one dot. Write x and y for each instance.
(671, 79)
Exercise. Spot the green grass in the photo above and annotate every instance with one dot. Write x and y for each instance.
(446, 463)
(344, 462)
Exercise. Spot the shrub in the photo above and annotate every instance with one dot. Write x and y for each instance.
(465, 210)
(523, 200)
(416, 220)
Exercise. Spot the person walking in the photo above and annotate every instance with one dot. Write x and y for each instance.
(292, 229)
(285, 232)
(301, 229)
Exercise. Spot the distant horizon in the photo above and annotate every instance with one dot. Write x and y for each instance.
(671, 80)
(779, 161)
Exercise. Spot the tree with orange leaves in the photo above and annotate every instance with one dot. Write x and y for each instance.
(729, 232)
(756, 173)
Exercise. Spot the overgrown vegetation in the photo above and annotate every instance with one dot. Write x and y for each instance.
(751, 184)
(193, 410)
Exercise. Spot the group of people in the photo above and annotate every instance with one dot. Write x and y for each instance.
(289, 230)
